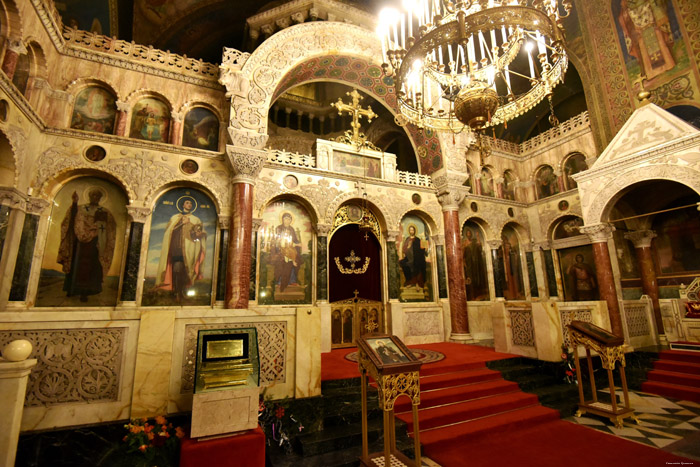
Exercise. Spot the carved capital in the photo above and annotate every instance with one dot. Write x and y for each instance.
(176, 116)
(544, 245)
(225, 222)
(322, 230)
(641, 238)
(438, 239)
(122, 106)
(598, 233)
(17, 47)
(245, 162)
(139, 215)
(257, 223)
(37, 206)
(392, 235)
(12, 198)
(494, 244)
(450, 198)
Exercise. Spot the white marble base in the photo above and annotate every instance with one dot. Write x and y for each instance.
(223, 412)
(13, 387)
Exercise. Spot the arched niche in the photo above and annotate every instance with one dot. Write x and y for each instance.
(151, 119)
(285, 253)
(181, 249)
(486, 182)
(416, 259)
(574, 255)
(511, 254)
(475, 265)
(7, 163)
(572, 164)
(82, 258)
(94, 109)
(509, 180)
(546, 182)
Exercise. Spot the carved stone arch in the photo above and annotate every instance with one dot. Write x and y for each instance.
(568, 156)
(292, 196)
(74, 87)
(191, 104)
(253, 85)
(424, 215)
(553, 223)
(11, 21)
(485, 226)
(516, 177)
(382, 212)
(150, 202)
(37, 59)
(603, 200)
(134, 97)
(50, 188)
(522, 232)
(18, 142)
(534, 171)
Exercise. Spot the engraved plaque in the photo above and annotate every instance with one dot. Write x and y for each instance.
(225, 348)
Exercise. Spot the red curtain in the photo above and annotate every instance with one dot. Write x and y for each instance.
(369, 284)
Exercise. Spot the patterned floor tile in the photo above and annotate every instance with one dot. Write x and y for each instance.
(661, 442)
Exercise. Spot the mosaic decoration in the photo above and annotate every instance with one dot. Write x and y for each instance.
(369, 78)
(76, 365)
(272, 349)
(522, 328)
(567, 316)
(637, 323)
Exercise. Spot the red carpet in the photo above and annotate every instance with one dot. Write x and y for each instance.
(676, 374)
(551, 444)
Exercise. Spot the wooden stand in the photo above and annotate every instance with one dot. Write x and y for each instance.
(394, 378)
(610, 349)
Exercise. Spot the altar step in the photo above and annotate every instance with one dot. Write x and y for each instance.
(676, 374)
(464, 404)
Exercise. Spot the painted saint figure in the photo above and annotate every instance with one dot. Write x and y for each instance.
(413, 261)
(286, 253)
(88, 235)
(387, 354)
(183, 250)
(583, 279)
(474, 266)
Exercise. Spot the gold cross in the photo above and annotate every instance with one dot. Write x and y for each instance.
(356, 112)
(352, 259)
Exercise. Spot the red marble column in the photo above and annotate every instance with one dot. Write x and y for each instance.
(455, 275)
(642, 245)
(606, 279)
(238, 267)
(9, 63)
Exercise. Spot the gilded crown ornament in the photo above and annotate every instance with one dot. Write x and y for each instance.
(472, 63)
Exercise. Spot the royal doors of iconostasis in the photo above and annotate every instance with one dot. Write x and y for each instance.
(355, 276)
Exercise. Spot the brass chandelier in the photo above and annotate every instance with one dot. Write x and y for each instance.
(475, 63)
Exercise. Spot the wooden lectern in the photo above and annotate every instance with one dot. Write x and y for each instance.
(396, 371)
(610, 349)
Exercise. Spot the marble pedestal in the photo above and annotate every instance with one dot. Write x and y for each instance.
(224, 412)
(13, 387)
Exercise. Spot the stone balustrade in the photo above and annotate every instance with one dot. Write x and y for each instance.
(411, 178)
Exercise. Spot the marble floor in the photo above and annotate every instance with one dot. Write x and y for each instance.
(668, 424)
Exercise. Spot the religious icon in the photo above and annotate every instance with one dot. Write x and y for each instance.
(95, 153)
(486, 181)
(573, 165)
(347, 327)
(189, 166)
(475, 272)
(387, 351)
(510, 252)
(580, 282)
(508, 185)
(568, 227)
(95, 110)
(290, 182)
(413, 259)
(201, 129)
(285, 254)
(415, 197)
(150, 120)
(546, 182)
(82, 257)
(181, 250)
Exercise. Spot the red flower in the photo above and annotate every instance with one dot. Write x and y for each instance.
(563, 356)
(160, 420)
(279, 413)
(179, 432)
(569, 373)
(143, 448)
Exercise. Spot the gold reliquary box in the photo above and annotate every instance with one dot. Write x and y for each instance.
(226, 359)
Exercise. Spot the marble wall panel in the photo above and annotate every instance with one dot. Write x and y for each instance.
(549, 269)
(393, 270)
(23, 266)
(422, 324)
(4, 220)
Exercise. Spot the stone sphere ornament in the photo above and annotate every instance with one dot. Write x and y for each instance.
(17, 351)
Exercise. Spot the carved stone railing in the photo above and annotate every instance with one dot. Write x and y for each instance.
(575, 123)
(411, 178)
(133, 51)
(501, 145)
(290, 158)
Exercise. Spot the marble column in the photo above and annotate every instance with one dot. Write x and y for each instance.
(499, 271)
(246, 164)
(175, 136)
(449, 198)
(224, 225)
(122, 110)
(642, 244)
(252, 289)
(600, 234)
(322, 231)
(12, 53)
(13, 389)
(12, 199)
(133, 253)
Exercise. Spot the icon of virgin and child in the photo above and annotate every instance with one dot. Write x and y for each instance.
(183, 250)
(285, 253)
